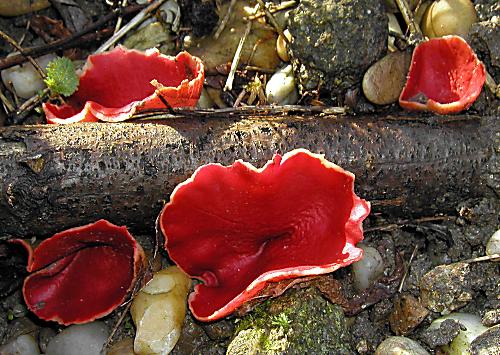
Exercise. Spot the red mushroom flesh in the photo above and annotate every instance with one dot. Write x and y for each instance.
(117, 84)
(82, 273)
(445, 76)
(237, 228)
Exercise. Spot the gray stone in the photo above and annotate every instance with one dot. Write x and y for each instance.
(334, 42)
(446, 287)
(79, 339)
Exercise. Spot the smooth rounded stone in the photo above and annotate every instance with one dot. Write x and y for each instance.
(79, 339)
(25, 80)
(493, 245)
(22, 345)
(282, 46)
(472, 328)
(21, 7)
(44, 337)
(368, 269)
(384, 80)
(400, 346)
(334, 42)
(158, 311)
(280, 89)
(449, 17)
(487, 343)
(447, 287)
(153, 35)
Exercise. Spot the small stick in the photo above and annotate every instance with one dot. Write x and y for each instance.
(225, 20)
(416, 35)
(273, 21)
(6, 102)
(494, 257)
(120, 18)
(141, 16)
(236, 58)
(14, 44)
(283, 6)
(407, 269)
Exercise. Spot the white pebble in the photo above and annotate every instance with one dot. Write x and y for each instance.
(25, 79)
(23, 344)
(280, 89)
(79, 339)
(400, 346)
(368, 269)
(493, 245)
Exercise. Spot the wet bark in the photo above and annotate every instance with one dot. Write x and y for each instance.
(55, 177)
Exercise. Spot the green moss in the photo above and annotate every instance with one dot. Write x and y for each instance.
(299, 322)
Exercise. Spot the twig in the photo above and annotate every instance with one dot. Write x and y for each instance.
(273, 21)
(23, 111)
(120, 18)
(14, 44)
(392, 226)
(240, 98)
(158, 87)
(141, 16)
(236, 58)
(225, 20)
(68, 42)
(494, 257)
(407, 270)
(6, 102)
(490, 83)
(416, 35)
(283, 6)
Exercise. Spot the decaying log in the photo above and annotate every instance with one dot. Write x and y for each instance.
(55, 177)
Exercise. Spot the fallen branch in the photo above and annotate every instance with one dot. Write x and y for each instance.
(56, 177)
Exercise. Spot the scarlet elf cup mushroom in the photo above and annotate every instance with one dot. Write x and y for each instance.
(119, 83)
(237, 228)
(83, 273)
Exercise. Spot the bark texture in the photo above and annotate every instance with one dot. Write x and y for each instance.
(56, 177)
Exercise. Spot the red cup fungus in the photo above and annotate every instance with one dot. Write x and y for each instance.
(237, 228)
(83, 273)
(445, 76)
(116, 84)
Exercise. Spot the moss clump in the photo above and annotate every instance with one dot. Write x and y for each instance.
(299, 322)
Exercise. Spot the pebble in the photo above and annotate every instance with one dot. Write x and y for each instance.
(282, 46)
(79, 339)
(493, 245)
(22, 345)
(24, 78)
(448, 17)
(158, 311)
(407, 314)
(384, 80)
(368, 269)
(281, 89)
(21, 7)
(400, 346)
(487, 343)
(447, 287)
